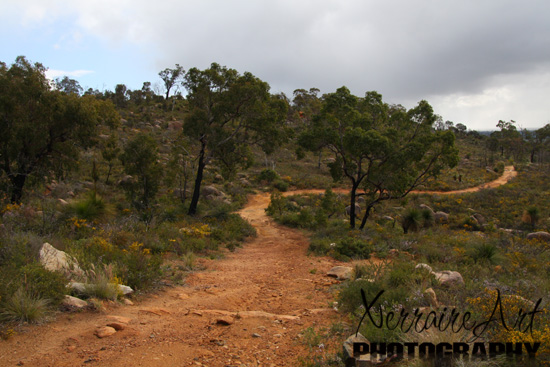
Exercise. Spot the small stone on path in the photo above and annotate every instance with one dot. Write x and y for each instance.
(104, 332)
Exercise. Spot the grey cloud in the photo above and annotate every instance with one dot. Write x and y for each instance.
(407, 50)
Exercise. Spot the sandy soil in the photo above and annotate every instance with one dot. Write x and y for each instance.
(266, 288)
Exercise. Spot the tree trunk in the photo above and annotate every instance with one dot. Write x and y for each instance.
(198, 181)
(18, 182)
(108, 174)
(352, 206)
(366, 216)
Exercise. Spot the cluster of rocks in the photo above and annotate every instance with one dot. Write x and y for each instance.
(113, 324)
(446, 278)
(59, 261)
(211, 193)
(439, 216)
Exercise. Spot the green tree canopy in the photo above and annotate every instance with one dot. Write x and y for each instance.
(509, 139)
(170, 77)
(68, 85)
(140, 159)
(228, 112)
(384, 150)
(39, 125)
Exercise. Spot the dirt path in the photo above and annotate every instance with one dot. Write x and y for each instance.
(507, 175)
(269, 287)
(267, 283)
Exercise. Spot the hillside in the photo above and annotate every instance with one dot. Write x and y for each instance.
(203, 228)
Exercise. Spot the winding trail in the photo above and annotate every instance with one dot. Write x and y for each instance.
(507, 175)
(270, 290)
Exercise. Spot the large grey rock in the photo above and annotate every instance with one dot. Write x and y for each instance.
(211, 190)
(56, 260)
(124, 289)
(426, 207)
(449, 278)
(348, 344)
(540, 236)
(73, 302)
(79, 288)
(82, 288)
(62, 202)
(425, 267)
(340, 272)
(357, 210)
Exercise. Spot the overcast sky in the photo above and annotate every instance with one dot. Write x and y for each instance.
(476, 62)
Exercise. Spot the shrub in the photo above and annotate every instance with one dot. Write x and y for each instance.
(280, 185)
(531, 216)
(427, 217)
(411, 220)
(91, 207)
(140, 271)
(44, 283)
(189, 260)
(320, 246)
(499, 168)
(306, 218)
(485, 252)
(102, 283)
(232, 228)
(23, 306)
(354, 248)
(268, 175)
(277, 204)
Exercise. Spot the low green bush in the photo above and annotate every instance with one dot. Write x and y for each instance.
(281, 185)
(268, 175)
(23, 306)
(354, 248)
(90, 207)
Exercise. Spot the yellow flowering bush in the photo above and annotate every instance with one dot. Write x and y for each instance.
(10, 208)
(196, 230)
(510, 327)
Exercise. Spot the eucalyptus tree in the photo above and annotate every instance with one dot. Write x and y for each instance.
(170, 77)
(41, 127)
(228, 112)
(384, 151)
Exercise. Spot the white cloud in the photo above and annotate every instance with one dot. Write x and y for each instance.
(520, 97)
(52, 73)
